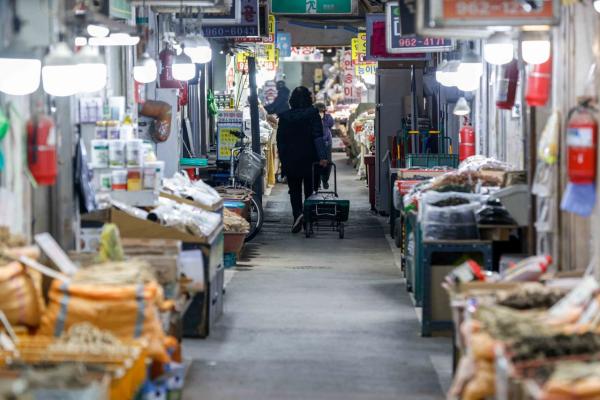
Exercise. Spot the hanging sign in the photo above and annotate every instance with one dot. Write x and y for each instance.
(484, 13)
(284, 43)
(228, 121)
(397, 43)
(352, 94)
(305, 54)
(323, 7)
(376, 46)
(359, 47)
(366, 68)
(232, 17)
(248, 25)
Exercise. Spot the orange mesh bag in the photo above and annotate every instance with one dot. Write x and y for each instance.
(21, 299)
(128, 311)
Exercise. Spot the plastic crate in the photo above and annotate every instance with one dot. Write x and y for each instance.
(432, 160)
(193, 162)
(229, 260)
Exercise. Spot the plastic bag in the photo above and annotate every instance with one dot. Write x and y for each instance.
(452, 222)
(549, 140)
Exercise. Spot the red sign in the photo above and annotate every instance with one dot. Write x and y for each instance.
(494, 9)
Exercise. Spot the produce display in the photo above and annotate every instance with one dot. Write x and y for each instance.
(234, 223)
(85, 338)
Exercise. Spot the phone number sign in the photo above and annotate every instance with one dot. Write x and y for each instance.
(396, 43)
(480, 13)
(247, 27)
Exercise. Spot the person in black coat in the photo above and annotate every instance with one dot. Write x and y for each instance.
(280, 104)
(300, 144)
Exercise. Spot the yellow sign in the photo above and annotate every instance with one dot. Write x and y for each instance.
(241, 58)
(359, 46)
(269, 53)
(271, 24)
(227, 141)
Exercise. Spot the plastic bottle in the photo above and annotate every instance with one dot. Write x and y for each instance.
(528, 270)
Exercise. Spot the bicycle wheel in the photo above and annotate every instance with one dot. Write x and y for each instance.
(256, 219)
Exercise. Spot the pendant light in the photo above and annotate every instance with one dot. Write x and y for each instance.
(19, 71)
(462, 107)
(597, 5)
(183, 67)
(535, 47)
(59, 71)
(115, 39)
(145, 69)
(498, 49)
(91, 70)
(97, 30)
(449, 74)
(440, 73)
(198, 48)
(469, 71)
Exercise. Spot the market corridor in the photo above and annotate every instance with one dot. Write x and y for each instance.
(318, 318)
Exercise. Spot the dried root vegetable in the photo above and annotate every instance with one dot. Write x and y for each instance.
(85, 338)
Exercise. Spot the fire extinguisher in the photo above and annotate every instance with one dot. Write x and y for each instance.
(466, 146)
(41, 150)
(507, 85)
(582, 139)
(538, 84)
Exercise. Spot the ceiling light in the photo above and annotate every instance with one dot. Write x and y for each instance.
(597, 5)
(115, 39)
(198, 48)
(183, 68)
(449, 74)
(59, 71)
(535, 47)
(97, 30)
(498, 49)
(91, 70)
(469, 71)
(80, 41)
(19, 71)
(440, 73)
(145, 69)
(462, 107)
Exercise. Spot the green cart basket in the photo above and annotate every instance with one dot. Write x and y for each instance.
(324, 210)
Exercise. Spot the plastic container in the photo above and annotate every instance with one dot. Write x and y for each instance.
(528, 270)
(134, 180)
(135, 152)
(100, 153)
(119, 179)
(106, 182)
(116, 153)
(114, 131)
(101, 130)
(153, 174)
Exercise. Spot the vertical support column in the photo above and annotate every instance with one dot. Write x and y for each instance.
(254, 123)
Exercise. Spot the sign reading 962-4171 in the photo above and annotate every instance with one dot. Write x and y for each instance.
(399, 44)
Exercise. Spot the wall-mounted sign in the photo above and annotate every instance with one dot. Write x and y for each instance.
(305, 54)
(352, 94)
(284, 43)
(359, 47)
(484, 13)
(397, 43)
(248, 25)
(228, 121)
(376, 43)
(232, 17)
(323, 7)
(366, 68)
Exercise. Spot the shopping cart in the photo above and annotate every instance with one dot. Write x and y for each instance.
(324, 210)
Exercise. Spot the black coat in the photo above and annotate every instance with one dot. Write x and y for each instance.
(300, 141)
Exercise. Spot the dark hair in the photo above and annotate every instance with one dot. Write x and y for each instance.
(301, 98)
(321, 107)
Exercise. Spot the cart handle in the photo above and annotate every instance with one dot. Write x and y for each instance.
(314, 176)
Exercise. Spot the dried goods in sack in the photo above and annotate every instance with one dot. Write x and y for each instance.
(234, 223)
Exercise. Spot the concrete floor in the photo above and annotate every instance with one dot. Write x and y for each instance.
(318, 318)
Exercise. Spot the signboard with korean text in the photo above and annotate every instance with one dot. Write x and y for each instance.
(484, 13)
(232, 17)
(284, 43)
(352, 94)
(359, 46)
(376, 43)
(397, 43)
(262, 39)
(228, 121)
(366, 68)
(305, 54)
(248, 25)
(322, 7)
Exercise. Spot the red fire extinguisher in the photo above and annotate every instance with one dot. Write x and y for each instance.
(582, 139)
(41, 150)
(538, 84)
(466, 146)
(507, 85)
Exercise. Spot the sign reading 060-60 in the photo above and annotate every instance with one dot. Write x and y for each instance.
(397, 43)
(323, 7)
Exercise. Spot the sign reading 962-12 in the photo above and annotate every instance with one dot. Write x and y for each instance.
(397, 43)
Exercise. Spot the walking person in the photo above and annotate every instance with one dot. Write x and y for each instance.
(300, 144)
(328, 123)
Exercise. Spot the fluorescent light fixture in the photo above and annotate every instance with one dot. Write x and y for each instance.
(535, 47)
(60, 71)
(145, 69)
(115, 39)
(97, 30)
(19, 71)
(498, 49)
(91, 70)
(183, 68)
(462, 107)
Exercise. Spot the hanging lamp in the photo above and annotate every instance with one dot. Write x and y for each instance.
(462, 107)
(19, 70)
(59, 71)
(92, 72)
(498, 49)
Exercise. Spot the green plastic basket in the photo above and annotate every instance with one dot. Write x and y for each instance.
(432, 160)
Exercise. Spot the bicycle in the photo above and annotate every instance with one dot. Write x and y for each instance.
(245, 167)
